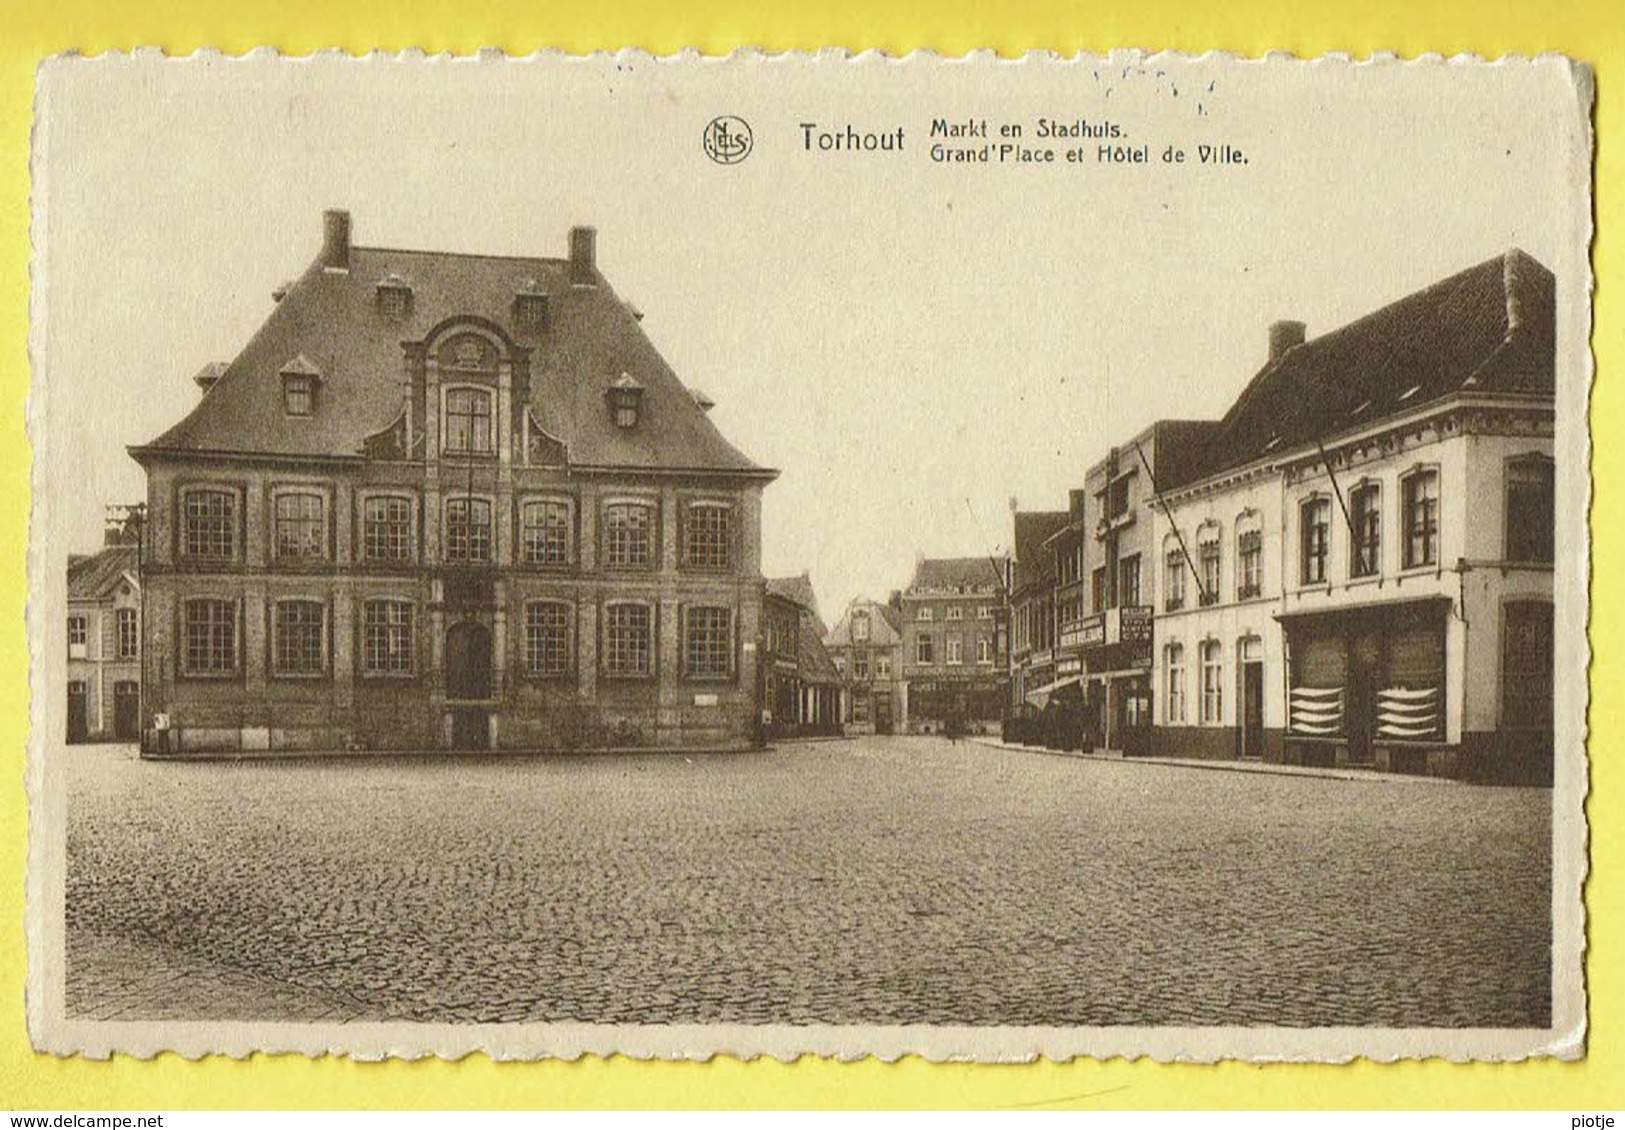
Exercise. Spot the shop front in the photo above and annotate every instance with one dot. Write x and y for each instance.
(1117, 690)
(1367, 686)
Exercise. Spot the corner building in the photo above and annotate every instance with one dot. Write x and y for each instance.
(449, 501)
(1374, 541)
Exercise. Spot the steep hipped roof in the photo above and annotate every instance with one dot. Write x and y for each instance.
(1488, 329)
(797, 590)
(93, 577)
(953, 574)
(1032, 528)
(813, 663)
(333, 319)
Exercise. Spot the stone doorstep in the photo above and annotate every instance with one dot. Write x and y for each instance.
(1221, 765)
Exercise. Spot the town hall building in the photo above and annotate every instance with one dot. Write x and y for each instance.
(449, 501)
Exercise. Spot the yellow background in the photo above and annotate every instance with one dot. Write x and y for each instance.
(1593, 30)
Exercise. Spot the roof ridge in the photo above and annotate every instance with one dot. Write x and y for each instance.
(563, 262)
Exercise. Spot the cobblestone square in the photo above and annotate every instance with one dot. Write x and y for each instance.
(880, 880)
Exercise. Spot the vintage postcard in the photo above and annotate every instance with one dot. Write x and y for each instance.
(810, 554)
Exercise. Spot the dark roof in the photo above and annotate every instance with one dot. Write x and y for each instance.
(813, 663)
(90, 578)
(951, 574)
(331, 318)
(1032, 529)
(797, 590)
(1488, 329)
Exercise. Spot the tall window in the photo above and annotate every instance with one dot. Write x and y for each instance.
(1422, 519)
(984, 649)
(468, 530)
(860, 627)
(78, 637)
(1173, 663)
(545, 533)
(860, 664)
(547, 639)
(468, 421)
(129, 634)
(1314, 529)
(926, 614)
(209, 523)
(1097, 588)
(1128, 580)
(386, 529)
(1212, 683)
(1365, 511)
(628, 640)
(211, 637)
(1531, 518)
(955, 612)
(1207, 554)
(955, 648)
(708, 536)
(1249, 564)
(1173, 586)
(925, 648)
(297, 640)
(708, 643)
(386, 637)
(883, 667)
(629, 535)
(299, 526)
(1527, 673)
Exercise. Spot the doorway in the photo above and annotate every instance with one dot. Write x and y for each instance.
(127, 711)
(1360, 710)
(78, 712)
(468, 662)
(1250, 653)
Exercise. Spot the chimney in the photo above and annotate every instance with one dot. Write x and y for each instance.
(583, 255)
(336, 240)
(1283, 336)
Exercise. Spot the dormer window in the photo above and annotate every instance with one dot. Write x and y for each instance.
(394, 297)
(300, 378)
(626, 400)
(530, 306)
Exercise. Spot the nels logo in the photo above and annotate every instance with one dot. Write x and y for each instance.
(727, 140)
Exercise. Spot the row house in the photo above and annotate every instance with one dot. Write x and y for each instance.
(1030, 582)
(1362, 574)
(952, 617)
(449, 501)
(801, 689)
(1109, 551)
(104, 643)
(866, 646)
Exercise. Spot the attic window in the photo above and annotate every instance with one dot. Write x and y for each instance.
(1410, 392)
(626, 399)
(530, 306)
(298, 395)
(394, 297)
(300, 377)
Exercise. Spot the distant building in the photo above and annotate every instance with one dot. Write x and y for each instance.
(1032, 578)
(104, 644)
(801, 689)
(866, 645)
(448, 500)
(1107, 560)
(1366, 576)
(951, 615)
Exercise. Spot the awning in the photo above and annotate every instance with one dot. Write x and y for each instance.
(1039, 696)
(1432, 602)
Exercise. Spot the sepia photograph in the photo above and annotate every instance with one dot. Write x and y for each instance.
(809, 554)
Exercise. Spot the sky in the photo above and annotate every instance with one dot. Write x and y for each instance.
(910, 343)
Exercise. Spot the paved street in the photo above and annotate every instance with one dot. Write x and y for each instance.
(899, 880)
